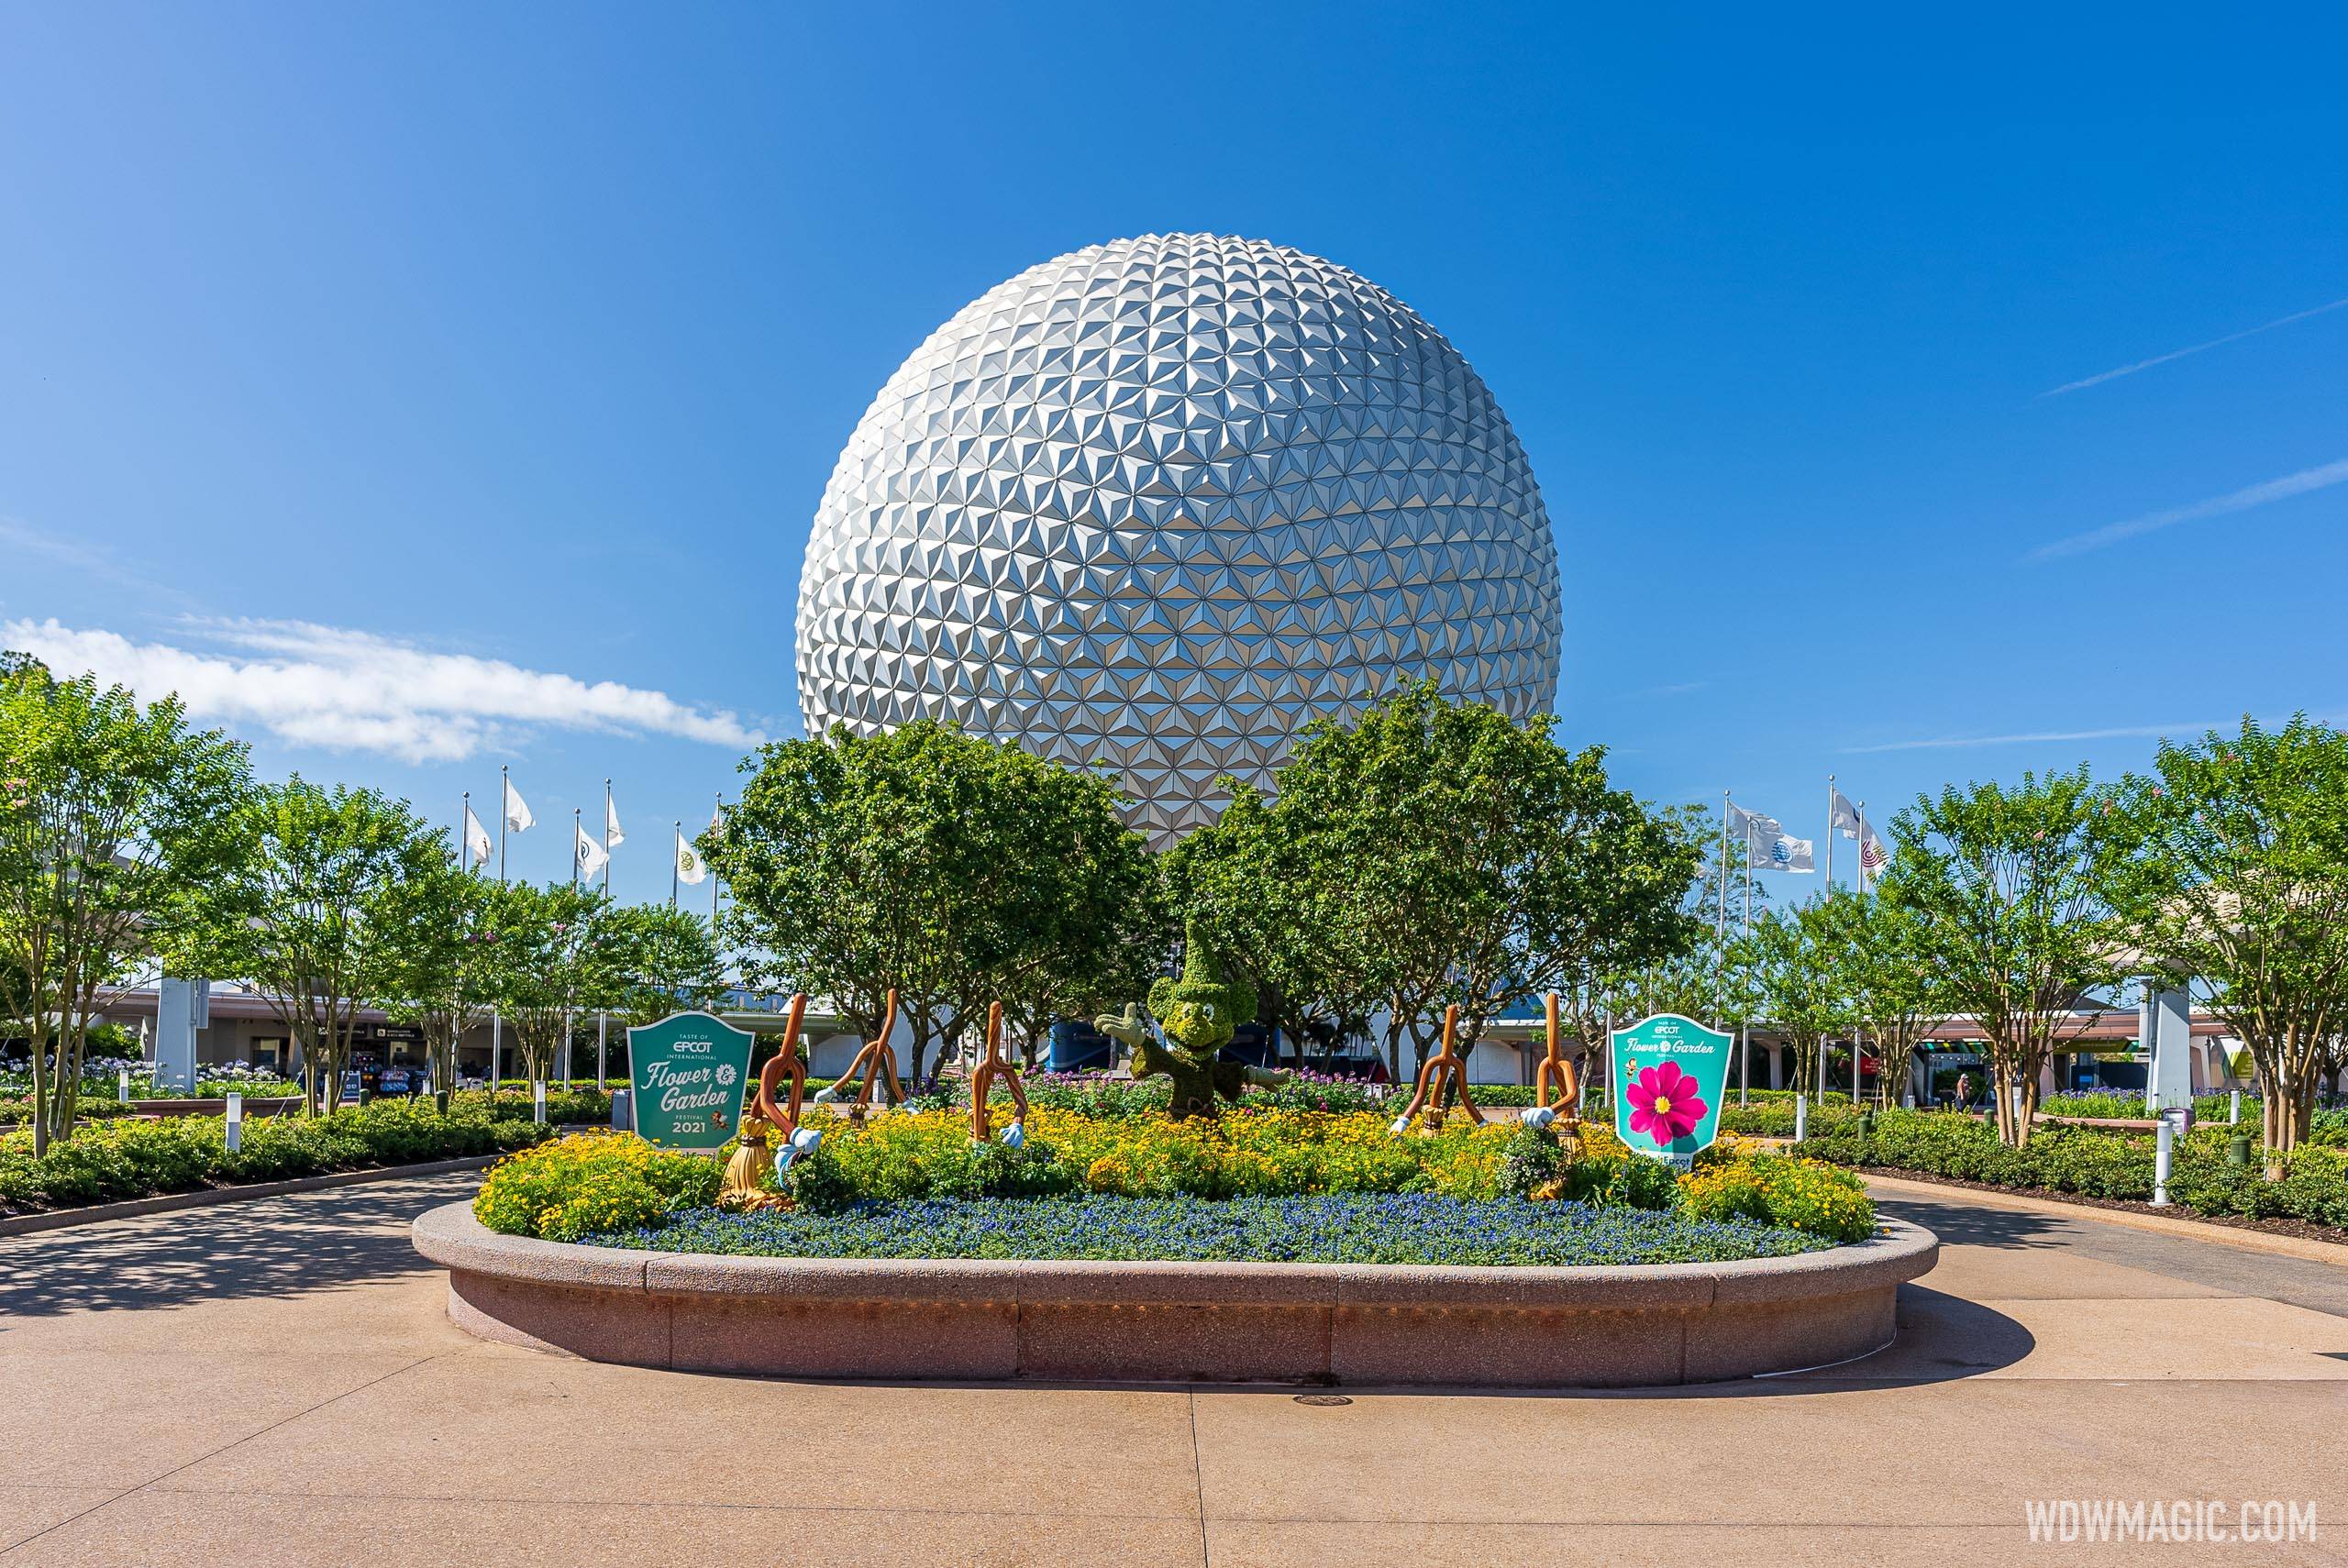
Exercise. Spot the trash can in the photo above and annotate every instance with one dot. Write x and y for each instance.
(621, 1120)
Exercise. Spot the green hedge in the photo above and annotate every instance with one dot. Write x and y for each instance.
(139, 1159)
(2097, 1164)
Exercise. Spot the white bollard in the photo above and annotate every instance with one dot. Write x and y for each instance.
(2164, 1143)
(122, 1086)
(235, 1122)
(538, 1099)
(1801, 1117)
(2233, 1111)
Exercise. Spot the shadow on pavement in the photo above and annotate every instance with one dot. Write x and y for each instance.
(1959, 1224)
(330, 1239)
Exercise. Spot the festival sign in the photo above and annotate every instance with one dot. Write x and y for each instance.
(1669, 1074)
(687, 1074)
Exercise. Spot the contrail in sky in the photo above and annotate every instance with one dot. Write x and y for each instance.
(2181, 353)
(2242, 500)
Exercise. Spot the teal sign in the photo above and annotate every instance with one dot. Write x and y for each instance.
(1669, 1074)
(686, 1079)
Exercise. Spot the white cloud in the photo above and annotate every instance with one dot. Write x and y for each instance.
(2102, 376)
(346, 691)
(2306, 479)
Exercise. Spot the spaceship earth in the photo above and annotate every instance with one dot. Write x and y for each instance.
(1154, 506)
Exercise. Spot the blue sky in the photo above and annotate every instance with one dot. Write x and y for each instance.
(524, 337)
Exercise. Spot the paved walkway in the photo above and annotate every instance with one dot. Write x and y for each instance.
(275, 1383)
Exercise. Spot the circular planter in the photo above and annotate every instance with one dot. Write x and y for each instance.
(1184, 1322)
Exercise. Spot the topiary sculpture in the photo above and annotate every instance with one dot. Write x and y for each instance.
(1196, 1015)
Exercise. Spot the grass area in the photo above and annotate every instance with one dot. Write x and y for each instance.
(1363, 1228)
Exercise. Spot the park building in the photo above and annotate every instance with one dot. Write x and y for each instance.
(2098, 1048)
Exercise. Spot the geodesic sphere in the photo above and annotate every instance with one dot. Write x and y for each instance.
(1156, 504)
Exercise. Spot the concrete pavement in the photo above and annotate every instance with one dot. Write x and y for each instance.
(275, 1383)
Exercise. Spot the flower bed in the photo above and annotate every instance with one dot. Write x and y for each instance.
(1387, 1228)
(599, 1184)
(126, 1159)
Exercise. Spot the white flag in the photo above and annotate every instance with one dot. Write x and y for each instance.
(1841, 815)
(518, 812)
(612, 837)
(591, 854)
(1783, 852)
(1760, 832)
(691, 870)
(1873, 856)
(476, 841)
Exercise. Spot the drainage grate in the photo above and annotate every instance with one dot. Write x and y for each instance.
(1323, 1400)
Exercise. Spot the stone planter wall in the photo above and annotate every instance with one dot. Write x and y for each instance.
(1151, 1322)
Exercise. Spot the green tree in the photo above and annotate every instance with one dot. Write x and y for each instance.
(1875, 949)
(1253, 889)
(2237, 880)
(1785, 960)
(423, 962)
(953, 869)
(551, 954)
(2012, 887)
(295, 913)
(112, 817)
(667, 960)
(1469, 859)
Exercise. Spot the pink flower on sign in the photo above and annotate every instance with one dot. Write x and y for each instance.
(1665, 1104)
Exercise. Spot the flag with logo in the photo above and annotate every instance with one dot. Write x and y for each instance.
(517, 810)
(1873, 856)
(476, 845)
(1783, 852)
(692, 869)
(589, 855)
(612, 837)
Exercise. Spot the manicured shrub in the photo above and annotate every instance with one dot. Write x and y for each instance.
(592, 1182)
(2098, 1163)
(137, 1158)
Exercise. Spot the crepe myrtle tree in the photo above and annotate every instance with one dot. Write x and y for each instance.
(956, 871)
(667, 960)
(2235, 877)
(553, 953)
(1785, 960)
(2011, 888)
(113, 815)
(1462, 857)
(422, 965)
(295, 913)
(1877, 956)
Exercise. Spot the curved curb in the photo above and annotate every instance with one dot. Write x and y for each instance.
(1610, 1326)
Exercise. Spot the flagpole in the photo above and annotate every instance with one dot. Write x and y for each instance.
(603, 1015)
(497, 1016)
(717, 804)
(1830, 836)
(1860, 811)
(1744, 1026)
(675, 871)
(1720, 931)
